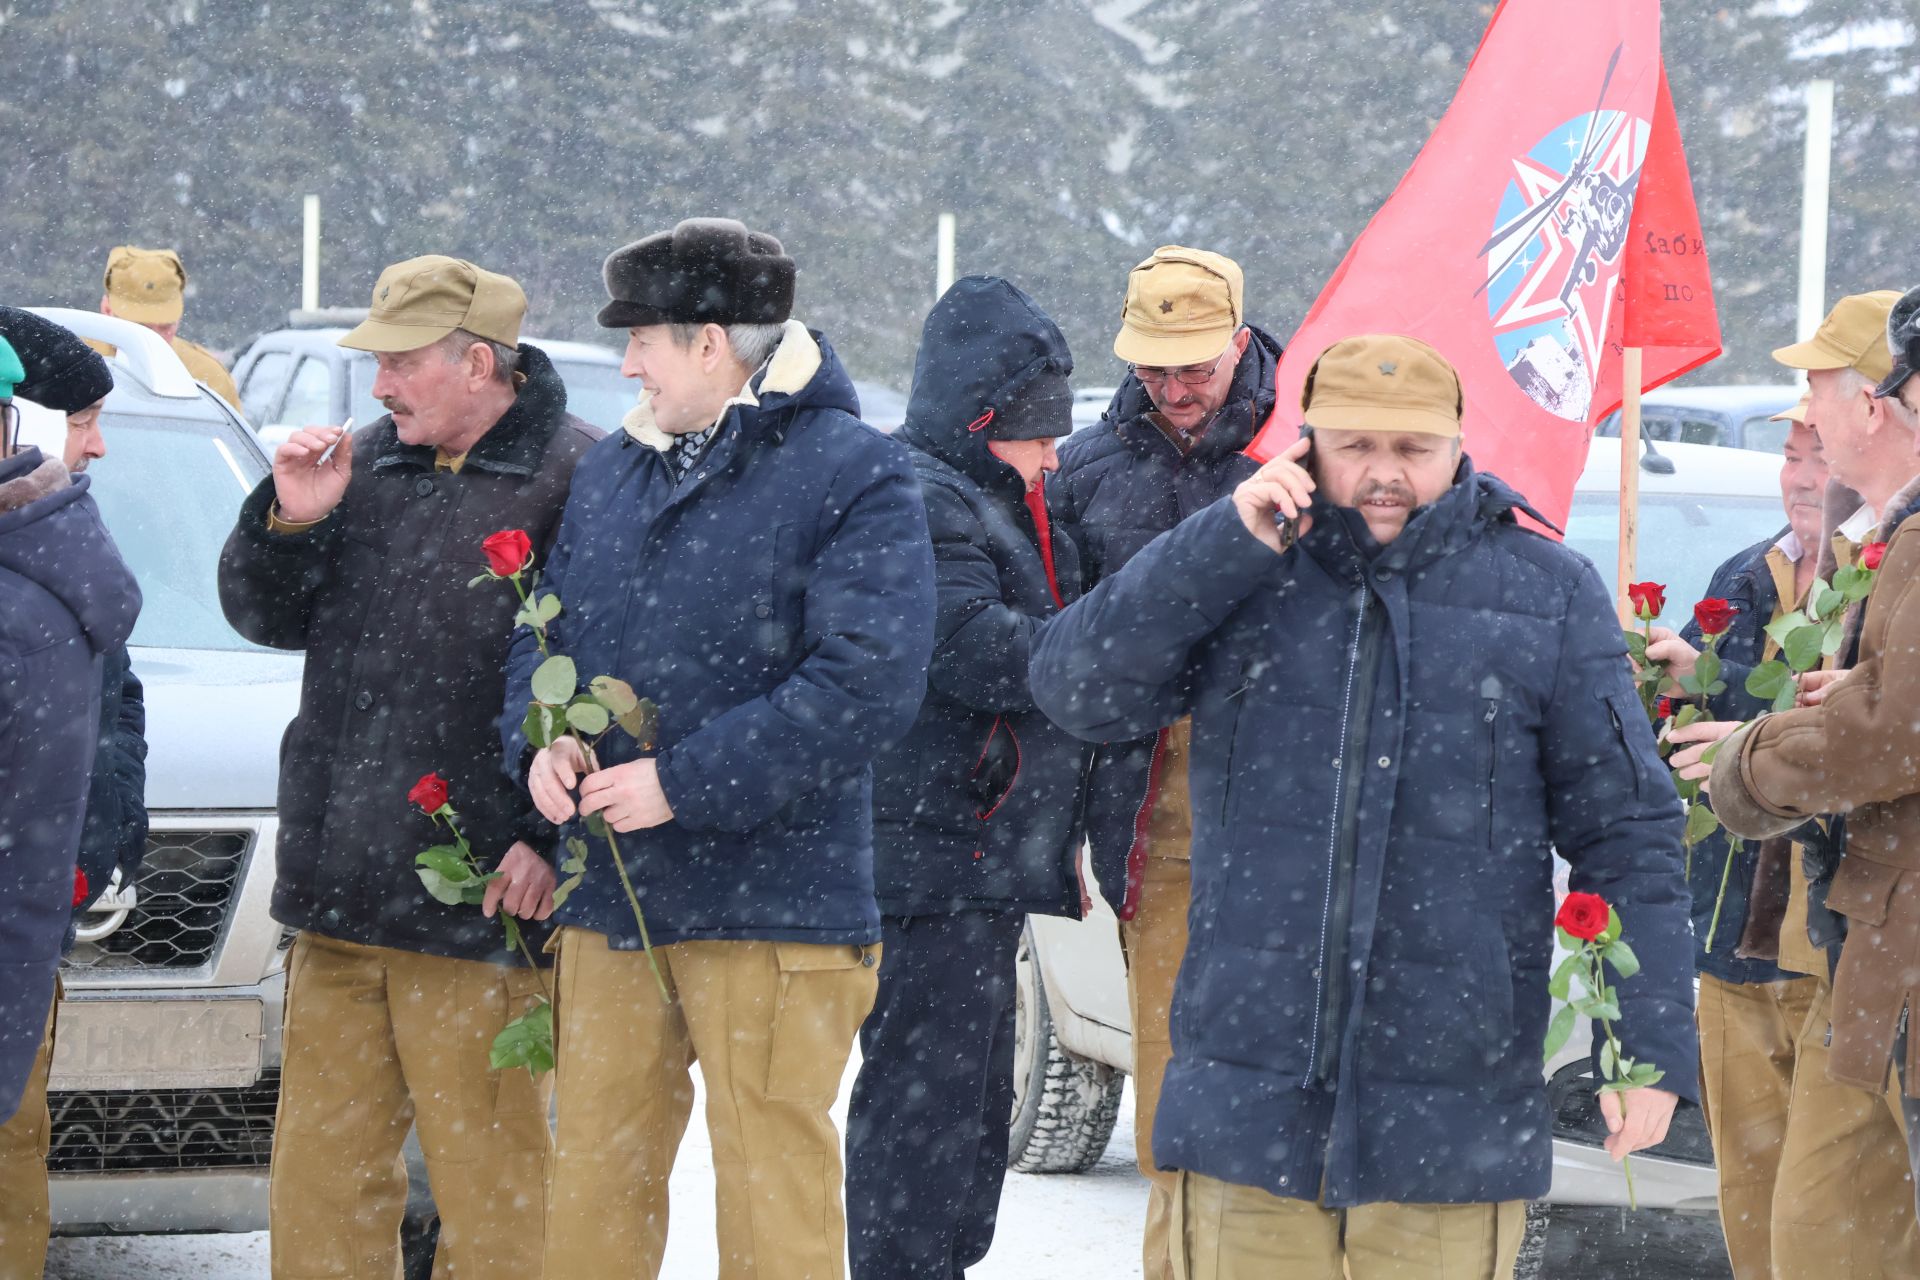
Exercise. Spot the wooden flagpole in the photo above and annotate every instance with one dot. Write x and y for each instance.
(1629, 481)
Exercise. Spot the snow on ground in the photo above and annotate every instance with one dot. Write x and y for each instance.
(1056, 1227)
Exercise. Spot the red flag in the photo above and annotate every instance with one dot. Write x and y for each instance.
(1548, 220)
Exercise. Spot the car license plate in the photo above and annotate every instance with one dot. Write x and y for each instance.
(112, 1045)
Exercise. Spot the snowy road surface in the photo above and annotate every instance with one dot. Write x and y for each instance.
(1051, 1228)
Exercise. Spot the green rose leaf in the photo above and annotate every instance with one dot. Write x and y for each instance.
(1686, 716)
(1802, 647)
(1561, 982)
(1558, 1031)
(1621, 957)
(546, 607)
(588, 716)
(539, 726)
(617, 696)
(1833, 636)
(1822, 600)
(576, 859)
(474, 582)
(555, 680)
(513, 930)
(597, 827)
(442, 889)
(1783, 701)
(1636, 646)
(1609, 1064)
(1768, 679)
(1853, 583)
(527, 1042)
(1597, 1009)
(1645, 1075)
(1701, 823)
(1785, 625)
(1706, 670)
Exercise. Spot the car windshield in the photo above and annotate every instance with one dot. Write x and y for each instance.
(597, 392)
(169, 490)
(1683, 538)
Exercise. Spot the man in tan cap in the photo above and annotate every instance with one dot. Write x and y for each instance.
(359, 550)
(149, 287)
(1199, 384)
(1401, 700)
(1802, 1162)
(1842, 1154)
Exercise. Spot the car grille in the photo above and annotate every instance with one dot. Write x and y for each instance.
(163, 1129)
(186, 883)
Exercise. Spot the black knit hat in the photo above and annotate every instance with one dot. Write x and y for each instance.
(63, 372)
(1040, 410)
(704, 271)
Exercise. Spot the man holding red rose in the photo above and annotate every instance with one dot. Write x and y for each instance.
(1402, 702)
(359, 550)
(1851, 757)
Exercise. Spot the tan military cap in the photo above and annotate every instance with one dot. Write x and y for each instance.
(1853, 336)
(1183, 306)
(1383, 382)
(146, 286)
(422, 300)
(1796, 413)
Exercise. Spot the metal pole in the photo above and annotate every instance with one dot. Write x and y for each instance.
(310, 256)
(1629, 480)
(943, 257)
(1813, 207)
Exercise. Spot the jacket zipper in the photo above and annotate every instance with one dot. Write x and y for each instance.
(1342, 849)
(1491, 721)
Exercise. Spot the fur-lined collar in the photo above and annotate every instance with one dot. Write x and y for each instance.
(787, 372)
(33, 483)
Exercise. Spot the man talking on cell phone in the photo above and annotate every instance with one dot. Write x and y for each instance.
(359, 549)
(1397, 715)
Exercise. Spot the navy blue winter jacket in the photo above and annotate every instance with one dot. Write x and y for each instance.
(66, 599)
(115, 835)
(1745, 581)
(777, 605)
(1123, 483)
(979, 805)
(1386, 747)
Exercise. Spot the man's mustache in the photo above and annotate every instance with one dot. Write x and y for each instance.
(1398, 492)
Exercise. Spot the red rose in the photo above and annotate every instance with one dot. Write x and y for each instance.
(1714, 615)
(1584, 915)
(1872, 554)
(1663, 708)
(79, 886)
(1648, 598)
(508, 551)
(430, 793)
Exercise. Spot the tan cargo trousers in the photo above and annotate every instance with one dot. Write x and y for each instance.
(1154, 942)
(772, 1025)
(1814, 1183)
(24, 1141)
(378, 1041)
(1229, 1232)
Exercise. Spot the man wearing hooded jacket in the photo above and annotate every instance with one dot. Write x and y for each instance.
(1199, 385)
(66, 600)
(1402, 703)
(976, 810)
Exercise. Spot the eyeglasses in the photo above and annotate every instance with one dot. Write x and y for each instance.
(1192, 375)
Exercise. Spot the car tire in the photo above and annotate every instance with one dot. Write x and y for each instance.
(1064, 1107)
(1533, 1242)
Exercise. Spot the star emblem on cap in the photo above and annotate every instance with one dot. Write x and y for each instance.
(1388, 367)
(1166, 306)
(385, 291)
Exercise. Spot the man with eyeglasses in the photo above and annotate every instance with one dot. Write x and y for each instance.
(1199, 384)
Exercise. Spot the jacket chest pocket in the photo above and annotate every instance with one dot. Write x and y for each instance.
(779, 595)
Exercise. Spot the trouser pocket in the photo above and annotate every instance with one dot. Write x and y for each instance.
(823, 994)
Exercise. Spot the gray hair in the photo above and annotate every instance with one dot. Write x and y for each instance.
(505, 359)
(752, 344)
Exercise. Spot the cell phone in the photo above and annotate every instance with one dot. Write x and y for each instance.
(1290, 526)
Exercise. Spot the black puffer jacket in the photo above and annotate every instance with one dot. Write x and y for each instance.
(1123, 483)
(405, 668)
(979, 805)
(115, 835)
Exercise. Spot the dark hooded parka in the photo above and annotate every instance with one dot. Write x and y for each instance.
(777, 605)
(1388, 744)
(979, 805)
(66, 600)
